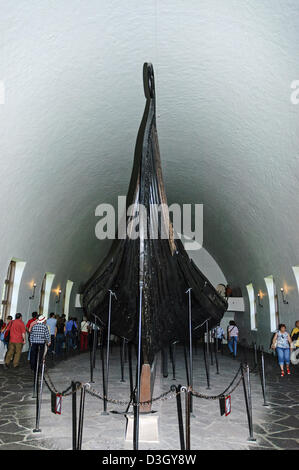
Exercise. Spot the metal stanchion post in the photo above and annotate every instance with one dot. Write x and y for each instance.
(177, 389)
(136, 420)
(247, 395)
(122, 359)
(186, 365)
(187, 420)
(164, 354)
(190, 345)
(216, 353)
(81, 418)
(130, 369)
(210, 347)
(104, 381)
(263, 377)
(206, 355)
(255, 355)
(92, 355)
(172, 356)
(74, 415)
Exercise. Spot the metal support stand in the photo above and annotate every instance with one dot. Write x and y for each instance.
(136, 416)
(104, 381)
(81, 418)
(210, 348)
(172, 351)
(186, 365)
(92, 355)
(187, 419)
(263, 377)
(247, 395)
(255, 355)
(206, 355)
(180, 414)
(216, 353)
(164, 354)
(190, 346)
(130, 369)
(122, 359)
(74, 415)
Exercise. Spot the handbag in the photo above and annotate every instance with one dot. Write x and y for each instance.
(2, 336)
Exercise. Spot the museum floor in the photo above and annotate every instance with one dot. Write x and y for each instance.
(275, 427)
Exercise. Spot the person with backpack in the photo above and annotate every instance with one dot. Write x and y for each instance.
(3, 347)
(295, 334)
(282, 342)
(6, 331)
(71, 332)
(232, 337)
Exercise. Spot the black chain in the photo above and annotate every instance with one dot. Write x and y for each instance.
(164, 396)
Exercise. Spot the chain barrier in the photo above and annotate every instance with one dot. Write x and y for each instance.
(170, 394)
(225, 392)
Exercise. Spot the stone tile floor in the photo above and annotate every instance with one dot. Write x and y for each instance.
(275, 427)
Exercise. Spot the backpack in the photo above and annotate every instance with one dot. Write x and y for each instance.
(295, 336)
(74, 329)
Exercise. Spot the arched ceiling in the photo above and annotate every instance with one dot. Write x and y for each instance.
(229, 134)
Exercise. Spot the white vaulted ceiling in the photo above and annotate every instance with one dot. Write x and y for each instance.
(228, 132)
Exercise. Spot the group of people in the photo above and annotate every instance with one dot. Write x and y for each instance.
(283, 342)
(232, 337)
(56, 333)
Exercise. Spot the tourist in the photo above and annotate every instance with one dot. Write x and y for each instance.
(59, 336)
(51, 323)
(232, 337)
(39, 337)
(295, 334)
(17, 339)
(84, 334)
(76, 332)
(282, 342)
(6, 331)
(28, 324)
(3, 346)
(219, 336)
(71, 331)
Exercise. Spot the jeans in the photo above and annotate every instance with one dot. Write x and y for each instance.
(51, 348)
(232, 344)
(71, 341)
(60, 338)
(283, 355)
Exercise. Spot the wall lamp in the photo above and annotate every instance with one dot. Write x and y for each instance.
(58, 296)
(33, 292)
(259, 300)
(283, 296)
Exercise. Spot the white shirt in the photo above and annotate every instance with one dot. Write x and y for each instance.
(233, 331)
(84, 326)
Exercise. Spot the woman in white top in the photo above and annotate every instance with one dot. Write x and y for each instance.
(84, 334)
(232, 336)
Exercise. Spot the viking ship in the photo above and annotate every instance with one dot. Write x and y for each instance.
(150, 275)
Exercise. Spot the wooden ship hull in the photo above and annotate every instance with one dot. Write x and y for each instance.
(150, 277)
